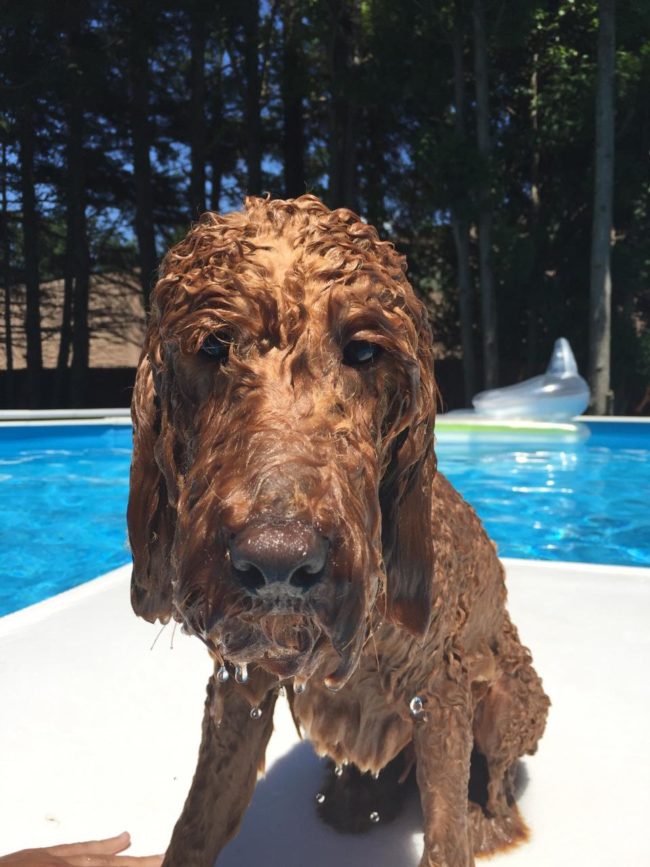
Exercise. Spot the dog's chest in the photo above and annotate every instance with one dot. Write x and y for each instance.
(355, 725)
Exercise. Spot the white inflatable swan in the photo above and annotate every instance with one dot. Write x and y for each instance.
(560, 394)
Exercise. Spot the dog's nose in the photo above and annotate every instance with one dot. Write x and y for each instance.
(293, 554)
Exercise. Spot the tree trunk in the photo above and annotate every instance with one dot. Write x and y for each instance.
(65, 338)
(601, 279)
(460, 231)
(215, 153)
(535, 281)
(292, 96)
(141, 142)
(27, 143)
(6, 279)
(488, 295)
(81, 330)
(460, 225)
(253, 131)
(80, 297)
(374, 163)
(197, 113)
(75, 334)
(342, 143)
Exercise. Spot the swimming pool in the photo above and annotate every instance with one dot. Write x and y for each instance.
(64, 488)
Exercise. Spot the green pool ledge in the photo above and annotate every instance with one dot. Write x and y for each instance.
(468, 425)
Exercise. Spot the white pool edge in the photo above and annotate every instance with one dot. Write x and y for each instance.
(32, 614)
(104, 713)
(61, 601)
(55, 417)
(122, 415)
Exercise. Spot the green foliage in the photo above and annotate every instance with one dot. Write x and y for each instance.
(411, 166)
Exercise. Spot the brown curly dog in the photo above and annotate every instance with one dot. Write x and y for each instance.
(285, 508)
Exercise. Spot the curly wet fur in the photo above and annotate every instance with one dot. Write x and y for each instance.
(411, 600)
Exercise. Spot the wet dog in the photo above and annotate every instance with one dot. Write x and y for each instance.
(286, 509)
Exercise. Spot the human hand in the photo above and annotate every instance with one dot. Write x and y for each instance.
(93, 853)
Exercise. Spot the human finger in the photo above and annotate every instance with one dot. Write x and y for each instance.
(107, 846)
(114, 861)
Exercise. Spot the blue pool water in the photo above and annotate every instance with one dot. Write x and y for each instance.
(63, 494)
(542, 499)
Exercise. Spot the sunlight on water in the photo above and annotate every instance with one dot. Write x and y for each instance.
(580, 502)
(63, 495)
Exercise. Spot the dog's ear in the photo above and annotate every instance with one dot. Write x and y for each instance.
(151, 517)
(405, 497)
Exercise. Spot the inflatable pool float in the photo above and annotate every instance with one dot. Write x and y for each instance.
(558, 395)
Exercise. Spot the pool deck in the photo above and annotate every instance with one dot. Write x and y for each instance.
(99, 731)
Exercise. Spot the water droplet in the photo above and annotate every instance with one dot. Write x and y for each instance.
(241, 674)
(223, 674)
(375, 776)
(416, 706)
(298, 686)
(256, 713)
(338, 770)
(320, 798)
(374, 817)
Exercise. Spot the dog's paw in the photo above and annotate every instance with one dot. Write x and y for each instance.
(352, 802)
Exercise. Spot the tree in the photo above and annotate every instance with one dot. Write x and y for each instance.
(199, 12)
(215, 148)
(253, 93)
(343, 107)
(140, 19)
(113, 140)
(26, 116)
(6, 272)
(292, 85)
(75, 332)
(601, 278)
(488, 291)
(459, 221)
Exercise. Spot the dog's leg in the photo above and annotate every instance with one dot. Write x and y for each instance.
(511, 718)
(231, 753)
(443, 745)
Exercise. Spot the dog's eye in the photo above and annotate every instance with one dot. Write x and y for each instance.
(216, 347)
(359, 352)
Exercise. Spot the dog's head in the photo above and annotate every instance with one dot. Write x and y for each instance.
(283, 440)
